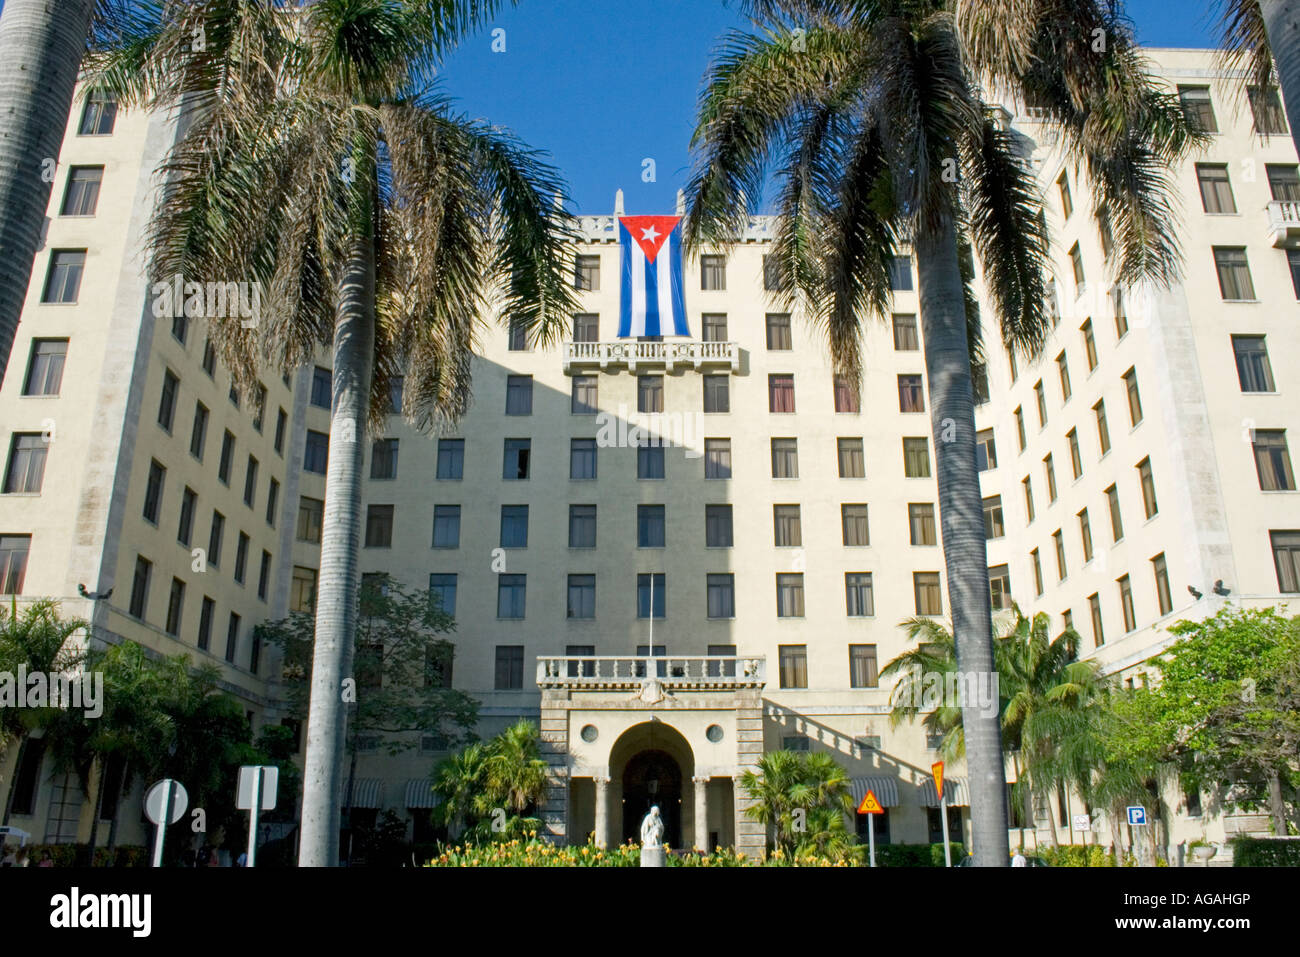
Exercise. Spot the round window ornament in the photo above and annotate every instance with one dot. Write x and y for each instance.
(589, 733)
(714, 733)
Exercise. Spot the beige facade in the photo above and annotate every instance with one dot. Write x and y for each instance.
(802, 560)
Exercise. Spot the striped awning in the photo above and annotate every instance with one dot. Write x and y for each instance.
(366, 792)
(955, 793)
(419, 793)
(886, 790)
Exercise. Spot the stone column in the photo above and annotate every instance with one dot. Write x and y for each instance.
(602, 810)
(702, 812)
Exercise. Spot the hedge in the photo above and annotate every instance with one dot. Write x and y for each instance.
(71, 855)
(1266, 852)
(914, 855)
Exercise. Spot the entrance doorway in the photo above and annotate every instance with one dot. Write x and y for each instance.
(652, 778)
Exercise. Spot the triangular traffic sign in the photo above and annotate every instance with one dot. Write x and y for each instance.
(870, 805)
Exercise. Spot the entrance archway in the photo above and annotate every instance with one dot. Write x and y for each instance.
(652, 778)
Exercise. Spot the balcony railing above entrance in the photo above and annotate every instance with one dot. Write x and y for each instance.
(638, 356)
(1284, 222)
(699, 672)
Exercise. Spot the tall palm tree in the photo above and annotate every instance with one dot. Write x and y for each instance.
(513, 768)
(386, 226)
(797, 795)
(1256, 34)
(458, 783)
(871, 113)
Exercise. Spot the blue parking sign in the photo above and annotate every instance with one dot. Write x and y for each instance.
(1137, 816)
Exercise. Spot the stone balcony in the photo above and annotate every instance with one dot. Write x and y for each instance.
(639, 356)
(627, 673)
(1284, 222)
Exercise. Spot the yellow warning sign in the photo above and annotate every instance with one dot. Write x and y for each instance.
(870, 805)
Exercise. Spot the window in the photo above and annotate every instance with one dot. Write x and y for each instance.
(64, 280)
(1272, 460)
(986, 450)
(1198, 107)
(517, 336)
(582, 458)
(321, 387)
(863, 672)
(227, 458)
(1161, 571)
(1058, 542)
(1028, 485)
(713, 327)
(720, 590)
(585, 396)
(1293, 264)
(97, 115)
(1121, 314)
(264, 575)
(1106, 234)
(1089, 344)
(647, 584)
(794, 666)
(1116, 524)
(717, 458)
(1076, 459)
(999, 587)
(1085, 534)
(773, 280)
(852, 463)
(1063, 187)
(26, 470)
(272, 495)
(717, 394)
(650, 393)
(446, 526)
(1038, 572)
(311, 511)
(250, 482)
(215, 537)
(1266, 108)
(1063, 367)
(586, 327)
(994, 525)
(1234, 273)
(1284, 183)
(140, 587)
(582, 596)
(1041, 398)
(1216, 190)
(787, 531)
(167, 401)
(1103, 430)
(511, 596)
(649, 526)
(241, 558)
(925, 586)
(718, 526)
(846, 397)
(1076, 264)
(383, 459)
(209, 358)
(515, 465)
(259, 406)
(302, 590)
(185, 525)
(853, 519)
(785, 458)
(442, 587)
(207, 609)
(789, 596)
(379, 526)
(13, 562)
(1148, 488)
(451, 458)
(45, 368)
(1286, 559)
(979, 383)
(906, 338)
(1049, 469)
(1134, 397)
(650, 462)
(509, 667)
(281, 422)
(180, 328)
(1254, 371)
(1011, 362)
(1126, 603)
(780, 393)
(152, 492)
(199, 431)
(920, 520)
(778, 332)
(586, 273)
(1020, 426)
(82, 194)
(582, 526)
(916, 457)
(316, 452)
(910, 396)
(713, 273)
(519, 395)
(858, 599)
(900, 274)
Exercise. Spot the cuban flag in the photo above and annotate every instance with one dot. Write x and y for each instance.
(653, 302)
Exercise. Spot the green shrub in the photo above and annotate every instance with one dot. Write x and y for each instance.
(913, 855)
(1076, 855)
(1266, 852)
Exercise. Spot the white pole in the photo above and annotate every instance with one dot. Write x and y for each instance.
(871, 837)
(943, 816)
(162, 823)
(252, 815)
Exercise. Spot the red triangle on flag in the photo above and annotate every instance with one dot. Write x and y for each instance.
(650, 232)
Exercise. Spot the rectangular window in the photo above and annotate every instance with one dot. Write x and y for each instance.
(853, 519)
(153, 490)
(519, 395)
(717, 394)
(582, 596)
(1254, 371)
(582, 458)
(649, 526)
(302, 590)
(846, 397)
(45, 368)
(1058, 543)
(1198, 107)
(98, 115)
(1063, 188)
(250, 482)
(1121, 314)
(1020, 427)
(383, 459)
(986, 450)
(773, 281)
(863, 671)
(1049, 470)
(906, 337)
(227, 458)
(81, 196)
(585, 396)
(259, 407)
(1161, 571)
(1116, 523)
(140, 587)
(216, 536)
(717, 458)
(910, 395)
(1028, 485)
(789, 596)
(1126, 603)
(713, 273)
(281, 423)
(1283, 183)
(1103, 430)
(63, 282)
(241, 558)
(1038, 572)
(1148, 488)
(509, 667)
(852, 462)
(199, 431)
(185, 526)
(311, 512)
(900, 274)
(517, 336)
(316, 452)
(515, 465)
(586, 327)
(858, 599)
(713, 327)
(1089, 344)
(999, 587)
(1076, 458)
(650, 462)
(26, 471)
(1011, 363)
(646, 584)
(451, 459)
(1076, 264)
(1040, 397)
(207, 610)
(1266, 108)
(1216, 189)
(1085, 535)
(379, 526)
(787, 531)
(920, 520)
(264, 575)
(167, 402)
(720, 592)
(718, 526)
(442, 587)
(1272, 460)
(780, 393)
(1063, 367)
(979, 383)
(209, 358)
(794, 665)
(1234, 273)
(925, 586)
(650, 393)
(446, 526)
(1286, 559)
(916, 457)
(511, 595)
(785, 458)
(778, 332)
(582, 526)
(994, 525)
(14, 550)
(1134, 397)
(1293, 265)
(321, 387)
(586, 273)
(396, 386)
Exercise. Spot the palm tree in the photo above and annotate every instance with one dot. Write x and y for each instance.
(513, 769)
(870, 112)
(797, 796)
(458, 783)
(37, 640)
(386, 225)
(1256, 34)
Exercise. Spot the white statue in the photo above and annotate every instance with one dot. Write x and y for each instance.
(652, 829)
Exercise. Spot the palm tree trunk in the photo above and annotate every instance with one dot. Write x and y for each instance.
(117, 806)
(99, 804)
(336, 602)
(1276, 805)
(18, 761)
(41, 44)
(1282, 20)
(952, 416)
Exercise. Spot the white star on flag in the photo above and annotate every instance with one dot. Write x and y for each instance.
(650, 234)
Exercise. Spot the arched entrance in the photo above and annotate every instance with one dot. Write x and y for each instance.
(652, 778)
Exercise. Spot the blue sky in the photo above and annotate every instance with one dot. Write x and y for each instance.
(604, 84)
